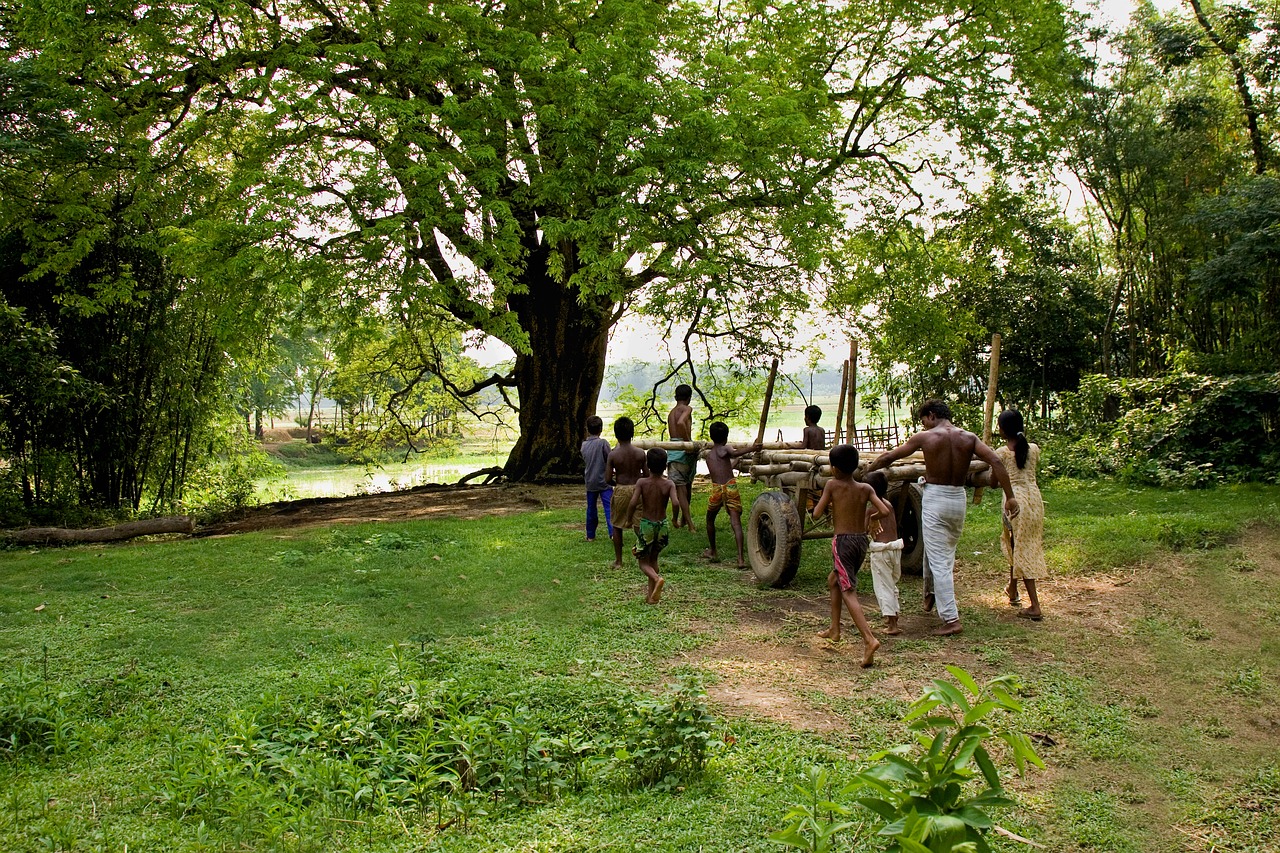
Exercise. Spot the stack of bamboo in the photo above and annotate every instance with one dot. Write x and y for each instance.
(812, 468)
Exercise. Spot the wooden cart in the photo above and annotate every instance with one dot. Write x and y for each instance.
(780, 522)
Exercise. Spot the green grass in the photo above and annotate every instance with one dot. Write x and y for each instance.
(138, 662)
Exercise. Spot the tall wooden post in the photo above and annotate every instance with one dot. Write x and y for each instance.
(844, 386)
(989, 410)
(768, 398)
(852, 410)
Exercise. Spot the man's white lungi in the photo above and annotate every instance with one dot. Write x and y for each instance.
(942, 511)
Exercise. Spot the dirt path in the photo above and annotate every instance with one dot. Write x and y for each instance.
(418, 503)
(1181, 648)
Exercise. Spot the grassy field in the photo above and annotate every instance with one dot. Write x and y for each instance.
(494, 684)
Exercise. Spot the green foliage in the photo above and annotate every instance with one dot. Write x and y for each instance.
(1008, 263)
(667, 739)
(227, 480)
(1182, 430)
(36, 717)
(405, 739)
(923, 795)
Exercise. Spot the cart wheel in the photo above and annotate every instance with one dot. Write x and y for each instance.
(773, 539)
(906, 510)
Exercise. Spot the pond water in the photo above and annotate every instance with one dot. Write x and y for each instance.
(345, 480)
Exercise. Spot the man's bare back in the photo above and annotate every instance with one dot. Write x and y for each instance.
(948, 450)
(947, 453)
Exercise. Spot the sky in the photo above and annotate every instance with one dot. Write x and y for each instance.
(633, 340)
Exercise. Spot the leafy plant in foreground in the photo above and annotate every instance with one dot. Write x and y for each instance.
(667, 738)
(924, 793)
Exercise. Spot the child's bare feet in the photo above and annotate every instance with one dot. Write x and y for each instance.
(617, 564)
(891, 626)
(711, 555)
(869, 652)
(832, 634)
(656, 595)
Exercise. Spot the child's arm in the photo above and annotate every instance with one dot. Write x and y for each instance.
(873, 521)
(743, 450)
(635, 500)
(879, 508)
(823, 502)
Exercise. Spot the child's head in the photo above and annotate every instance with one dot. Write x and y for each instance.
(878, 482)
(656, 461)
(812, 414)
(844, 458)
(719, 432)
(594, 425)
(684, 393)
(624, 428)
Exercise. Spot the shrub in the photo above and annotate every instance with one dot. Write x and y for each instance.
(1181, 430)
(923, 795)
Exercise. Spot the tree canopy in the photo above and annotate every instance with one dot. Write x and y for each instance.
(535, 169)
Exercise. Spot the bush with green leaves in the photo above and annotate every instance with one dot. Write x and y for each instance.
(442, 749)
(667, 739)
(36, 716)
(933, 796)
(1180, 430)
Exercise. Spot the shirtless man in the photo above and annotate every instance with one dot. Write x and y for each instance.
(681, 464)
(948, 450)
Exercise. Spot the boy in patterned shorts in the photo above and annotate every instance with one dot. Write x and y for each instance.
(848, 501)
(724, 488)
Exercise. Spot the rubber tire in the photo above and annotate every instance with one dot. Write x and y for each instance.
(906, 511)
(773, 539)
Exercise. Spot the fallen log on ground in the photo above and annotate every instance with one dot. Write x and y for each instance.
(116, 533)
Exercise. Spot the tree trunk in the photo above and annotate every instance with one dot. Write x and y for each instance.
(559, 380)
(129, 530)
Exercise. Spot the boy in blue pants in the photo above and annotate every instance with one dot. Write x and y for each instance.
(595, 452)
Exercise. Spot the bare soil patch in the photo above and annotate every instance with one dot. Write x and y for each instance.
(769, 658)
(430, 501)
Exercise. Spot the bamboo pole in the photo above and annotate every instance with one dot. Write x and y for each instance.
(851, 433)
(768, 398)
(989, 409)
(844, 387)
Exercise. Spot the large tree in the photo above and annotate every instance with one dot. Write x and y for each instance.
(535, 169)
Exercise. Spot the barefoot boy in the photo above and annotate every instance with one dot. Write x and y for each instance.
(682, 464)
(625, 468)
(848, 501)
(650, 497)
(885, 555)
(724, 488)
(595, 455)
